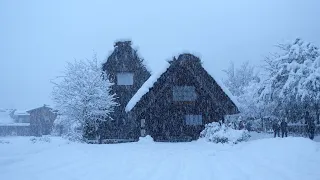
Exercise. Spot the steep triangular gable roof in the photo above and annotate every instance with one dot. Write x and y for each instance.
(145, 88)
(41, 107)
(124, 58)
(223, 88)
(207, 80)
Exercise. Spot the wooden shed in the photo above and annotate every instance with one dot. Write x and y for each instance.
(41, 120)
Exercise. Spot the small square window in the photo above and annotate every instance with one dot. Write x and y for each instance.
(184, 93)
(125, 79)
(193, 120)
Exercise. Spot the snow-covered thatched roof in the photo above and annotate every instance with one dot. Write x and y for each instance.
(146, 87)
(151, 81)
(7, 120)
(5, 117)
(223, 87)
(40, 107)
(21, 113)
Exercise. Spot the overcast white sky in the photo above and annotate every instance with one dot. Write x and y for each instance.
(37, 38)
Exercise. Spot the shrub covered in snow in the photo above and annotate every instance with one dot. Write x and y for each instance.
(4, 142)
(40, 139)
(219, 133)
(147, 139)
(74, 136)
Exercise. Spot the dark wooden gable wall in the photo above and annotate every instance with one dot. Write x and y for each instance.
(124, 59)
(213, 88)
(41, 120)
(165, 118)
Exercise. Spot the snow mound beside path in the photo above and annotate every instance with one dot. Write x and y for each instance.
(219, 133)
(147, 139)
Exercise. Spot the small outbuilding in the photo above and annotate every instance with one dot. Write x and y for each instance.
(41, 120)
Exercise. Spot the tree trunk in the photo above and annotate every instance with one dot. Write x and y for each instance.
(262, 128)
(317, 113)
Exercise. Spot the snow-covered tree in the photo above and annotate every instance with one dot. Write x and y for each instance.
(82, 96)
(309, 91)
(242, 83)
(250, 105)
(287, 75)
(239, 78)
(289, 88)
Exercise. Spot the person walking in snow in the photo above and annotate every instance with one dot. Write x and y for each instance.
(234, 125)
(276, 129)
(241, 125)
(311, 126)
(284, 128)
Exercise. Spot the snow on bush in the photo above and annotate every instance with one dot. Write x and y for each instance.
(74, 136)
(83, 96)
(4, 142)
(219, 133)
(40, 139)
(147, 139)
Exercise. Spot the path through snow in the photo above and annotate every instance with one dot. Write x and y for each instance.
(276, 159)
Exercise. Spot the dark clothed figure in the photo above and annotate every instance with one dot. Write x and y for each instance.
(276, 129)
(241, 125)
(311, 126)
(284, 128)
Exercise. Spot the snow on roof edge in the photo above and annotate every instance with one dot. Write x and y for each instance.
(14, 124)
(5, 117)
(224, 88)
(21, 112)
(153, 78)
(144, 89)
(135, 48)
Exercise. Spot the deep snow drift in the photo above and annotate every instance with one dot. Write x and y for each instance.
(43, 159)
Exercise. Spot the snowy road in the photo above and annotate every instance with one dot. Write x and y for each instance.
(276, 159)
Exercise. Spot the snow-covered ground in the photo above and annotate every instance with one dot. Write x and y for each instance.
(268, 158)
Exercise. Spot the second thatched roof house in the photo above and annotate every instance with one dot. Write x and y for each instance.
(127, 71)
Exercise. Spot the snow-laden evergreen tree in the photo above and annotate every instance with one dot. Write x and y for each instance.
(82, 97)
(309, 91)
(286, 81)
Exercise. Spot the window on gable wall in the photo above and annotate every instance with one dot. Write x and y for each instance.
(184, 93)
(125, 78)
(193, 120)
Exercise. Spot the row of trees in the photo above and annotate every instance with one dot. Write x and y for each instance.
(287, 87)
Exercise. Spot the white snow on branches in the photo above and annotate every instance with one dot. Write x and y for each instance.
(82, 94)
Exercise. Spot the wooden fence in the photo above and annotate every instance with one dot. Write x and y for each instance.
(301, 129)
